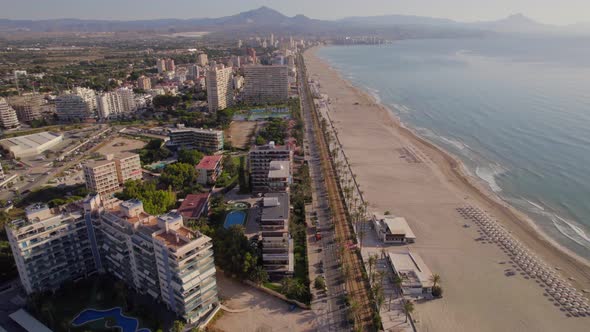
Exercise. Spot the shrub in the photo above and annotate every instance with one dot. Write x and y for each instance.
(437, 291)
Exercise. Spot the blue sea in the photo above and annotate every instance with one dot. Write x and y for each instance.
(516, 110)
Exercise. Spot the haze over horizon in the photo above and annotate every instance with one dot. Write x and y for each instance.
(544, 11)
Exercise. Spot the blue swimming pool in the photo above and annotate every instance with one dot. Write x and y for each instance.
(126, 324)
(234, 218)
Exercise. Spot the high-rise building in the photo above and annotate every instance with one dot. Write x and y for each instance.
(240, 43)
(156, 255)
(170, 65)
(219, 88)
(252, 54)
(80, 105)
(272, 39)
(202, 60)
(206, 140)
(193, 72)
(144, 83)
(259, 161)
(105, 177)
(161, 65)
(50, 247)
(265, 84)
(116, 103)
(27, 107)
(8, 118)
(277, 244)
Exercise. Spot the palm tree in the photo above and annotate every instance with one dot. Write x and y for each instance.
(408, 308)
(435, 278)
(372, 262)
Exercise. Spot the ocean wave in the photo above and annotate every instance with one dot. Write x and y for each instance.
(572, 231)
(375, 94)
(489, 173)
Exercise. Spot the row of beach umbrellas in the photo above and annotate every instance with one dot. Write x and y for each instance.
(556, 286)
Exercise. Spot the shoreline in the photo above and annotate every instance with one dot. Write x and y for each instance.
(427, 194)
(460, 170)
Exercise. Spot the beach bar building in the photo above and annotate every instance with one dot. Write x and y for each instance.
(413, 272)
(393, 230)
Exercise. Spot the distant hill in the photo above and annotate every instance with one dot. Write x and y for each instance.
(265, 20)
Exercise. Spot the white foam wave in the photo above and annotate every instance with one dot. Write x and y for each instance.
(375, 94)
(488, 174)
(535, 205)
(401, 108)
(572, 231)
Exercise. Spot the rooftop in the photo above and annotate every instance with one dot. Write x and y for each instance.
(411, 268)
(30, 141)
(275, 206)
(195, 130)
(396, 225)
(209, 162)
(192, 205)
(279, 169)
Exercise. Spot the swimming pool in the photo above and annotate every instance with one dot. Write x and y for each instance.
(126, 324)
(234, 218)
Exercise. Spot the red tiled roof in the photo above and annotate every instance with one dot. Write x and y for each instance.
(193, 204)
(209, 162)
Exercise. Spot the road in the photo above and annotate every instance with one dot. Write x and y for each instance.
(329, 306)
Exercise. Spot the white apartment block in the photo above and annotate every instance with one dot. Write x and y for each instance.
(259, 162)
(8, 118)
(116, 103)
(206, 140)
(50, 247)
(220, 94)
(277, 244)
(80, 105)
(265, 84)
(158, 256)
(105, 177)
(161, 65)
(144, 83)
(202, 60)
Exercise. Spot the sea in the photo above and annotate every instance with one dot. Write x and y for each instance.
(516, 110)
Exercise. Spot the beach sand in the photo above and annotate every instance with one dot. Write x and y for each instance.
(478, 296)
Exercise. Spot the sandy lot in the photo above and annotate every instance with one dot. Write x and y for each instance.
(240, 132)
(478, 296)
(121, 144)
(262, 312)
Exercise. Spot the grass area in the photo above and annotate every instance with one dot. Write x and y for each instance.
(99, 292)
(273, 286)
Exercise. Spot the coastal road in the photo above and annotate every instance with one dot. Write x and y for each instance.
(329, 306)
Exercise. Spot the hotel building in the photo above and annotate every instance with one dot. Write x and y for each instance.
(259, 161)
(206, 140)
(27, 107)
(220, 93)
(265, 84)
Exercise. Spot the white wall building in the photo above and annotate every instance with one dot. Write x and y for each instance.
(8, 118)
(265, 84)
(220, 93)
(30, 145)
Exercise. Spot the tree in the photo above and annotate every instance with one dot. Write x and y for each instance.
(177, 326)
(408, 308)
(372, 262)
(166, 101)
(259, 275)
(192, 157)
(319, 282)
(154, 201)
(435, 278)
(178, 176)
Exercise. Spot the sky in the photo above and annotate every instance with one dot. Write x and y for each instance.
(560, 12)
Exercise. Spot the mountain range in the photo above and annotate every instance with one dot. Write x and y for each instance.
(266, 19)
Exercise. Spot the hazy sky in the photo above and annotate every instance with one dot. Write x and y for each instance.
(547, 11)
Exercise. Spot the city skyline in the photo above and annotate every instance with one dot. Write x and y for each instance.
(569, 11)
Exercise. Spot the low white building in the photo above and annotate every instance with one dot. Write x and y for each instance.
(392, 229)
(413, 272)
(30, 145)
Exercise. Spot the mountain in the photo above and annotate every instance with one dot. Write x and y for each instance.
(517, 23)
(385, 20)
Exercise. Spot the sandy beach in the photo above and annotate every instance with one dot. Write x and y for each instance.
(478, 294)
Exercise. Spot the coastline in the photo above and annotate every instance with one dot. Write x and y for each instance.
(453, 171)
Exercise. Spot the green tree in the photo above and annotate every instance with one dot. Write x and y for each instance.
(408, 308)
(192, 157)
(177, 326)
(259, 275)
(166, 101)
(435, 278)
(154, 201)
(178, 176)
(319, 282)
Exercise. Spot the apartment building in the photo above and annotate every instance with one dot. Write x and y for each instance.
(50, 247)
(116, 103)
(8, 118)
(219, 88)
(279, 176)
(27, 107)
(170, 66)
(144, 83)
(259, 160)
(206, 140)
(161, 65)
(209, 169)
(106, 176)
(80, 105)
(193, 72)
(158, 256)
(202, 60)
(265, 84)
(277, 244)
